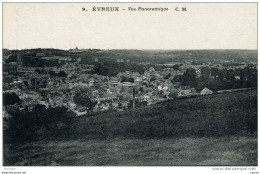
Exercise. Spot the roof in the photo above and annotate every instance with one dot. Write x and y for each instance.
(206, 91)
(128, 84)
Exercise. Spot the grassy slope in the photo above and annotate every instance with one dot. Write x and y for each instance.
(215, 115)
(183, 151)
(182, 132)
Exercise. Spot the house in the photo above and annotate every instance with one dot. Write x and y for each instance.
(237, 77)
(138, 80)
(112, 91)
(206, 91)
(115, 104)
(104, 106)
(80, 113)
(148, 89)
(78, 59)
(151, 69)
(193, 91)
(186, 91)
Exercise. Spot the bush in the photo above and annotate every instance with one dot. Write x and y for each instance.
(10, 99)
(39, 123)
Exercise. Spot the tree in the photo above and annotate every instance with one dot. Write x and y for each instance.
(62, 74)
(167, 76)
(52, 73)
(205, 72)
(37, 71)
(177, 78)
(82, 98)
(10, 99)
(26, 125)
(123, 79)
(190, 73)
(176, 67)
(101, 70)
(131, 79)
(189, 77)
(215, 72)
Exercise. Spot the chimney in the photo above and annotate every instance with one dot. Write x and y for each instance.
(133, 98)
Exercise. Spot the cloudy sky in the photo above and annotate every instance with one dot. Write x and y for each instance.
(65, 26)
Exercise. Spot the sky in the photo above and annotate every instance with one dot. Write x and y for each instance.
(65, 26)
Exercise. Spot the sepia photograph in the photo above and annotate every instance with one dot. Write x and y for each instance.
(130, 84)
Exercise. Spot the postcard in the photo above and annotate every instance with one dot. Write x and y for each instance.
(130, 84)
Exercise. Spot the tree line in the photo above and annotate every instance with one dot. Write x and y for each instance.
(219, 79)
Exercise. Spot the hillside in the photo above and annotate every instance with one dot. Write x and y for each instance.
(219, 129)
(215, 115)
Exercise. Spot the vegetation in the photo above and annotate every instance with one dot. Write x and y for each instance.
(217, 79)
(82, 98)
(10, 99)
(215, 115)
(218, 129)
(62, 74)
(38, 62)
(211, 116)
(232, 151)
(25, 126)
(111, 68)
(156, 56)
(126, 79)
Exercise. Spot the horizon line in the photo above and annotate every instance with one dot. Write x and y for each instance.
(144, 49)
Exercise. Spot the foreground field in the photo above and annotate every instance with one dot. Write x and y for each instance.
(136, 152)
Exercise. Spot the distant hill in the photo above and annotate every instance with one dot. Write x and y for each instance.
(163, 56)
(154, 56)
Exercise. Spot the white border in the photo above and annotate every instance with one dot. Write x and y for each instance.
(121, 170)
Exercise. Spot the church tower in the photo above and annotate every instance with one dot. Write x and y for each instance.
(19, 62)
